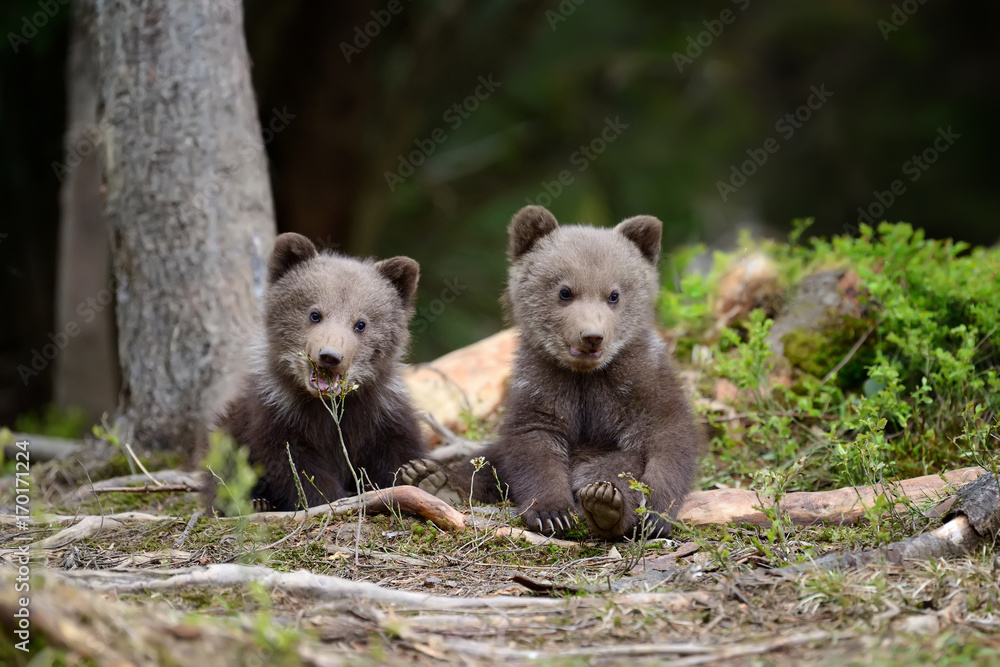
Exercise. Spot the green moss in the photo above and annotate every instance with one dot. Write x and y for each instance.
(818, 352)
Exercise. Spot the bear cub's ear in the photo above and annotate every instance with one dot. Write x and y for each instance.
(645, 232)
(403, 273)
(289, 250)
(527, 226)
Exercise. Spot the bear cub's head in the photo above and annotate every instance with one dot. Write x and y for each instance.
(578, 293)
(333, 321)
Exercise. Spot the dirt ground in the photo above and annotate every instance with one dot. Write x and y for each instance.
(163, 586)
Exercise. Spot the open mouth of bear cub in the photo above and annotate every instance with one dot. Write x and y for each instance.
(326, 384)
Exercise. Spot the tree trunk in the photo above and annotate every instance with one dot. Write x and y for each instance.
(189, 206)
(86, 374)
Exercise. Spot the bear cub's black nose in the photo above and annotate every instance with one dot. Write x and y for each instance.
(593, 339)
(329, 358)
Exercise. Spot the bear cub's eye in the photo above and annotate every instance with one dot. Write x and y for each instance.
(565, 294)
(360, 326)
(613, 298)
(315, 317)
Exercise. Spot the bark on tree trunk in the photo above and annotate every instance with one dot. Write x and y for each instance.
(86, 370)
(189, 205)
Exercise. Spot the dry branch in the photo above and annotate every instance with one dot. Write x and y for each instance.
(89, 526)
(383, 501)
(110, 632)
(845, 505)
(977, 520)
(698, 654)
(452, 448)
(326, 588)
(191, 480)
(163, 488)
(57, 519)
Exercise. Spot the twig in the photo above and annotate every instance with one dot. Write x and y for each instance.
(166, 477)
(128, 448)
(298, 529)
(850, 353)
(163, 488)
(90, 481)
(187, 529)
(443, 432)
(89, 526)
(453, 447)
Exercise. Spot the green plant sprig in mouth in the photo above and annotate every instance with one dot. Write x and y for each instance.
(328, 384)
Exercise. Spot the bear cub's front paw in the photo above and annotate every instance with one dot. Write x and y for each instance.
(548, 522)
(428, 476)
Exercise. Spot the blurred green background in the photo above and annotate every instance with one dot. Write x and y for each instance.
(681, 93)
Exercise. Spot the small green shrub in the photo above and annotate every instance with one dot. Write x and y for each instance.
(230, 466)
(920, 394)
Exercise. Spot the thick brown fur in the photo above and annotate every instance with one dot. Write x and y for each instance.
(593, 392)
(279, 402)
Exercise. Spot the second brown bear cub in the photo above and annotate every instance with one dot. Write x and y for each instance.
(330, 321)
(593, 393)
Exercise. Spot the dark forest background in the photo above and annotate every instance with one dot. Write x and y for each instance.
(682, 93)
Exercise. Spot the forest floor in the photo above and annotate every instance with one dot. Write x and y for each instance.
(127, 590)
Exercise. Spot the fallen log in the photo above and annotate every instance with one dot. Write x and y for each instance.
(976, 519)
(846, 505)
(39, 447)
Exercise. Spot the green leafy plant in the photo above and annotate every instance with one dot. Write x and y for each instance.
(229, 464)
(907, 386)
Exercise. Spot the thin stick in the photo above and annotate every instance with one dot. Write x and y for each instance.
(851, 353)
(163, 488)
(135, 458)
(187, 529)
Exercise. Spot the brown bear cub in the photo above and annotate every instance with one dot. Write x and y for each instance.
(330, 322)
(593, 393)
